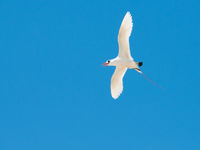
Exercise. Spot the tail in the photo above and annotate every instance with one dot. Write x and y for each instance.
(138, 70)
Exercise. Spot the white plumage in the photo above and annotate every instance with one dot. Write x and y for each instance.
(123, 36)
(124, 59)
(117, 81)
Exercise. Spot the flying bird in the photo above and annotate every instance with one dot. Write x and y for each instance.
(124, 60)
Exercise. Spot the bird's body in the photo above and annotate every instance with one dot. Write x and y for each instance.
(123, 62)
(124, 59)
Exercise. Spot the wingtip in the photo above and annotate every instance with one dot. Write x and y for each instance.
(128, 13)
(115, 97)
(128, 20)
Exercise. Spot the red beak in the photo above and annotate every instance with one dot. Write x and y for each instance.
(105, 64)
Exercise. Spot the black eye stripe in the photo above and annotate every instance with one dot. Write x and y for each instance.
(108, 61)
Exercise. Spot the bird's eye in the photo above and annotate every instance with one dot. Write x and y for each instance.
(108, 61)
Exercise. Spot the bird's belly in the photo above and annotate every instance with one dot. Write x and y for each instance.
(127, 64)
(133, 65)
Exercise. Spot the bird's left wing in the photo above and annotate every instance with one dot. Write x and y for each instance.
(123, 36)
(117, 82)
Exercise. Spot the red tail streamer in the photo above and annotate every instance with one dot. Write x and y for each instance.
(153, 82)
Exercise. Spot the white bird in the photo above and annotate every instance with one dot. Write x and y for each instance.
(124, 59)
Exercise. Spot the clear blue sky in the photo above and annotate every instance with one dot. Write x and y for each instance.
(56, 95)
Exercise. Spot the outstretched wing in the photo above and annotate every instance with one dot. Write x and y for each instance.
(117, 82)
(123, 36)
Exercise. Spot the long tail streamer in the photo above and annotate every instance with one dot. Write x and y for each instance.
(153, 82)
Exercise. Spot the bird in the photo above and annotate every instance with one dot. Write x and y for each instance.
(124, 60)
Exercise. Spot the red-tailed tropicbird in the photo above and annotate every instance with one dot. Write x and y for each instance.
(124, 59)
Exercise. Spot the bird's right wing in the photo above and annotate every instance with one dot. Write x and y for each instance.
(123, 36)
(117, 82)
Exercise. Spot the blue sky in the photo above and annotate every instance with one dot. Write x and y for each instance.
(56, 95)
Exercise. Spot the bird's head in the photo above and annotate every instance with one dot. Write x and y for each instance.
(107, 63)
